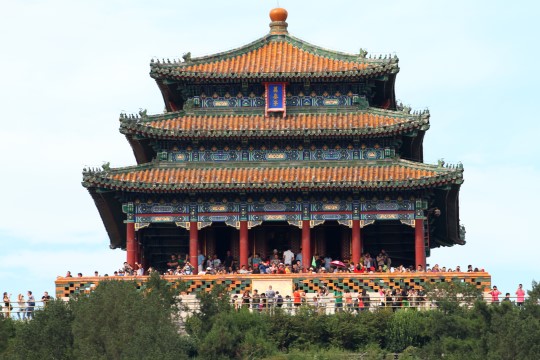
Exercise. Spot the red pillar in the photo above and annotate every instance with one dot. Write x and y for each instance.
(419, 247)
(244, 246)
(193, 245)
(131, 244)
(356, 246)
(306, 245)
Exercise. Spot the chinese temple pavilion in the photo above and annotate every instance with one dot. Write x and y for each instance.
(278, 144)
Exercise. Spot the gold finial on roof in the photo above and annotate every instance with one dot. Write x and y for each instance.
(278, 24)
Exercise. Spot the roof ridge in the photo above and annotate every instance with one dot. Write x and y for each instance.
(172, 176)
(157, 164)
(440, 167)
(143, 117)
(360, 58)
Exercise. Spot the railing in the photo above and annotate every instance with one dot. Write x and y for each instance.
(324, 306)
(238, 283)
(327, 305)
(18, 312)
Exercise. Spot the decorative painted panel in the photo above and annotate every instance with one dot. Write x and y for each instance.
(161, 209)
(218, 207)
(219, 218)
(275, 217)
(391, 205)
(340, 100)
(279, 155)
(161, 219)
(275, 207)
(323, 206)
(224, 102)
(336, 217)
(255, 212)
(388, 216)
(259, 101)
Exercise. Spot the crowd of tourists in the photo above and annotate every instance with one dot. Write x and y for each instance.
(291, 263)
(326, 301)
(276, 263)
(23, 308)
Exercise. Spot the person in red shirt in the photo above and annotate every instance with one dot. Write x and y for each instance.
(520, 293)
(495, 295)
(297, 298)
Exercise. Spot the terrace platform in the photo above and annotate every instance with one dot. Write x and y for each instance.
(285, 284)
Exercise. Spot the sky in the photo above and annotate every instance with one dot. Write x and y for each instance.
(69, 68)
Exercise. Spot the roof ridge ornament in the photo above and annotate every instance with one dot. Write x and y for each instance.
(363, 53)
(187, 57)
(278, 26)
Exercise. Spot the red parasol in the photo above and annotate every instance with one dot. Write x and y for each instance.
(338, 263)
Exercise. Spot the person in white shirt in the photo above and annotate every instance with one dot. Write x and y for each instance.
(288, 257)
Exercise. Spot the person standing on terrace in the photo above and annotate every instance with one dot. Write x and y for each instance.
(200, 261)
(173, 263)
(45, 298)
(288, 257)
(21, 308)
(256, 260)
(31, 304)
(7, 305)
(495, 295)
(520, 293)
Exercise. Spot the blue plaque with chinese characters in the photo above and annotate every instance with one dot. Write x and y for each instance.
(275, 98)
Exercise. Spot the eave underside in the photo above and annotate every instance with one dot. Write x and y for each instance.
(444, 230)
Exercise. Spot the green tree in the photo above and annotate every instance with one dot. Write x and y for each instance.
(406, 328)
(513, 336)
(534, 293)
(449, 297)
(117, 321)
(238, 335)
(7, 332)
(211, 303)
(47, 336)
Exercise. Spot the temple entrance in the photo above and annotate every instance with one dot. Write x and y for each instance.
(392, 236)
(161, 240)
(276, 235)
(219, 239)
(332, 239)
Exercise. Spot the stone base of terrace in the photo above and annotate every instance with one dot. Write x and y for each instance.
(285, 284)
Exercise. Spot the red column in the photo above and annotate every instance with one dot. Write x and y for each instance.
(306, 245)
(356, 246)
(419, 247)
(244, 246)
(193, 245)
(131, 244)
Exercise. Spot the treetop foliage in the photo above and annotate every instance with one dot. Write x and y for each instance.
(119, 321)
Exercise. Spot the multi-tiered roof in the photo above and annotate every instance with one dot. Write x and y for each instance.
(364, 123)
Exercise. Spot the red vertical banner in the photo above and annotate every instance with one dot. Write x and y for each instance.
(275, 98)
